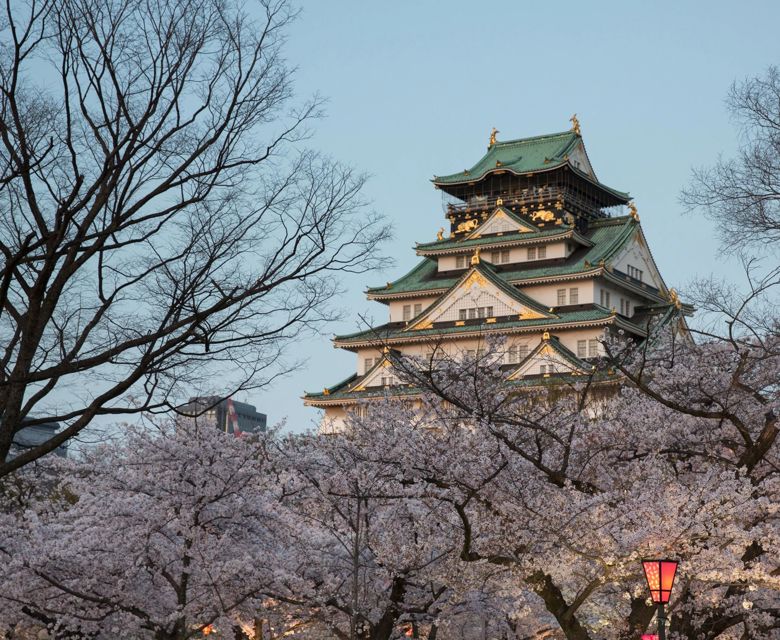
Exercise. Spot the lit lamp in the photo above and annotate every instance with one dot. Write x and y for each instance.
(649, 636)
(660, 578)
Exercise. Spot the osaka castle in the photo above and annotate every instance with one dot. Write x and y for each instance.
(539, 252)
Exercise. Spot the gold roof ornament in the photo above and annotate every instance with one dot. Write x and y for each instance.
(674, 298)
(575, 124)
(385, 349)
(467, 226)
(632, 211)
(546, 335)
(475, 257)
(440, 235)
(326, 391)
(493, 137)
(389, 285)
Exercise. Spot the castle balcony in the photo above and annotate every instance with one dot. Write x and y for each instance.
(569, 199)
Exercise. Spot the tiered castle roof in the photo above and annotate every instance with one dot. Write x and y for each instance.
(532, 193)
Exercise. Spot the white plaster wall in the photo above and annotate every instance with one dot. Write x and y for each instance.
(547, 294)
(362, 354)
(570, 338)
(615, 294)
(516, 254)
(447, 263)
(397, 306)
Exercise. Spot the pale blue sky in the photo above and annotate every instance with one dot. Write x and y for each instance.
(414, 88)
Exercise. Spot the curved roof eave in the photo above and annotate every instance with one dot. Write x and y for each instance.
(625, 197)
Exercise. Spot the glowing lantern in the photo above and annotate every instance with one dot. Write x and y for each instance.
(660, 578)
(649, 636)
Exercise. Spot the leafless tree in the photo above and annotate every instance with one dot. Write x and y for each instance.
(159, 222)
(742, 194)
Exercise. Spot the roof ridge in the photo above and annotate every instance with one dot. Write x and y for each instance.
(501, 143)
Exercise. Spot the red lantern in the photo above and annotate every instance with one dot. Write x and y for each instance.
(649, 636)
(660, 578)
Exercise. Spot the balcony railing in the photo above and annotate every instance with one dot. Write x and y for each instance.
(531, 196)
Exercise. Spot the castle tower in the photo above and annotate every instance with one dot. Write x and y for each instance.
(539, 251)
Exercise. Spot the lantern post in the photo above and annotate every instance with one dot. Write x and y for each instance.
(660, 578)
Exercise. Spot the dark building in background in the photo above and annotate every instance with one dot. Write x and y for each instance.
(229, 415)
(29, 437)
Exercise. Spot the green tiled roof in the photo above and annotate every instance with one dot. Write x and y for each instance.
(607, 235)
(465, 244)
(398, 329)
(526, 155)
(342, 392)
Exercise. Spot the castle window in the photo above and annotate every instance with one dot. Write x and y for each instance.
(475, 312)
(541, 253)
(532, 253)
(513, 354)
(582, 348)
(407, 312)
(604, 298)
(574, 295)
(369, 362)
(561, 297)
(522, 351)
(500, 257)
(635, 273)
(460, 262)
(593, 348)
(418, 309)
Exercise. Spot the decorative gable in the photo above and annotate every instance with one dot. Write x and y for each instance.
(579, 159)
(549, 357)
(380, 375)
(502, 221)
(636, 261)
(477, 296)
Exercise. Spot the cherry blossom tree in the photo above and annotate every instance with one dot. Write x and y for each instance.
(171, 532)
(568, 487)
(478, 512)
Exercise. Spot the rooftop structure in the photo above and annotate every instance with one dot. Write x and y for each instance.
(227, 414)
(539, 251)
(36, 435)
